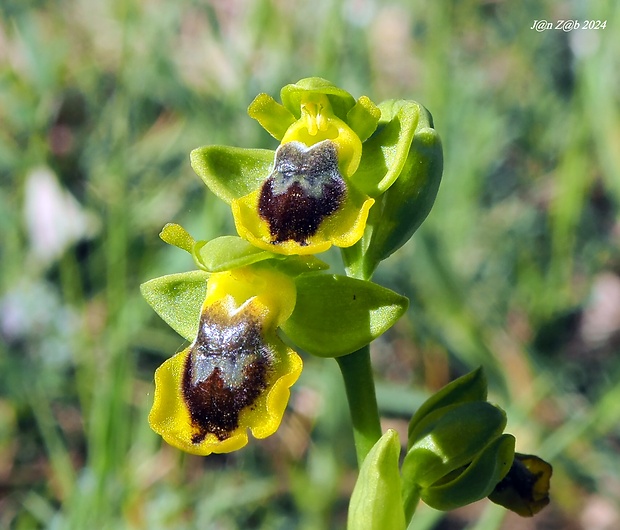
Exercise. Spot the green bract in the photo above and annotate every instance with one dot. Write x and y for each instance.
(375, 502)
(386, 150)
(228, 252)
(408, 201)
(336, 315)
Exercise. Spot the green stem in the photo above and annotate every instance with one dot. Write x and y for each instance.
(360, 386)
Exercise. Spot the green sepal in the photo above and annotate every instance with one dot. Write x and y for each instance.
(467, 388)
(272, 116)
(340, 100)
(177, 299)
(385, 152)
(232, 172)
(363, 118)
(296, 265)
(476, 481)
(376, 499)
(336, 315)
(449, 438)
(177, 236)
(408, 201)
(228, 252)
(525, 489)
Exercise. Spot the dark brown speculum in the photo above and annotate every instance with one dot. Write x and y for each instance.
(304, 188)
(226, 371)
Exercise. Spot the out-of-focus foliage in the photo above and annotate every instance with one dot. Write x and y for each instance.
(517, 267)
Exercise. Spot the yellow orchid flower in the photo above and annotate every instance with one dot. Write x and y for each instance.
(237, 373)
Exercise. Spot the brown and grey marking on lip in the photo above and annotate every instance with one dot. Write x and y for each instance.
(304, 188)
(226, 371)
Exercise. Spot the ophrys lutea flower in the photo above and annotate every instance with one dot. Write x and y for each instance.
(307, 199)
(237, 373)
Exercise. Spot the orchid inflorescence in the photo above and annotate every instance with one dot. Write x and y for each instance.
(350, 174)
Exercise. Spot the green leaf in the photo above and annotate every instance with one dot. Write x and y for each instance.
(477, 480)
(376, 499)
(232, 172)
(178, 299)
(229, 252)
(341, 101)
(385, 152)
(449, 438)
(336, 315)
(467, 388)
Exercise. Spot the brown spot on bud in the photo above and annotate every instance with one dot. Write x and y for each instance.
(304, 188)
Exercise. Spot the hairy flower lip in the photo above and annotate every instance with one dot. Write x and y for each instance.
(237, 373)
(305, 205)
(304, 188)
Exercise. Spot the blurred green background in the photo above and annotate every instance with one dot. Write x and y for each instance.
(517, 268)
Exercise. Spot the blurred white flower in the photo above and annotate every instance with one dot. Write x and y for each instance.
(54, 218)
(601, 317)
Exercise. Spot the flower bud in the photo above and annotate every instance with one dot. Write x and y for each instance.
(525, 489)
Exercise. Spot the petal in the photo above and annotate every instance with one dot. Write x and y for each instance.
(273, 117)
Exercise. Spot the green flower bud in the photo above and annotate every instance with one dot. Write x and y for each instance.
(456, 450)
(409, 200)
(474, 481)
(467, 388)
(401, 168)
(449, 438)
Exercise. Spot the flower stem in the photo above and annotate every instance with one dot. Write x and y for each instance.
(359, 383)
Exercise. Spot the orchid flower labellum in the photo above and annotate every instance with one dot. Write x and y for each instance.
(236, 374)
